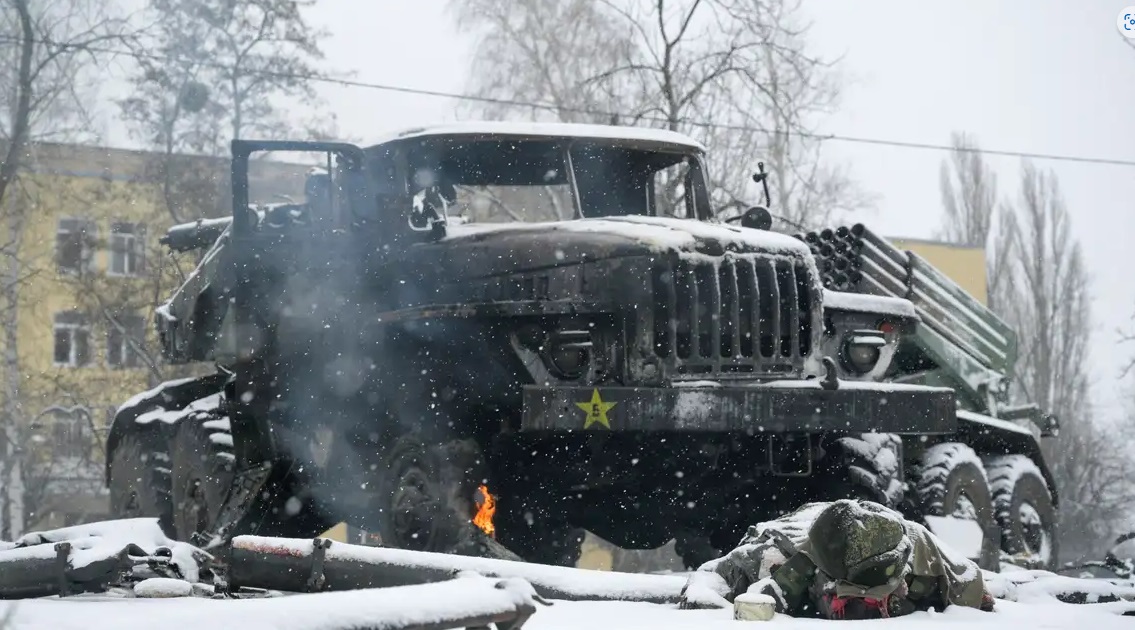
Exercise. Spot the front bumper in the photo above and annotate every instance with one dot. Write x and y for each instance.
(780, 407)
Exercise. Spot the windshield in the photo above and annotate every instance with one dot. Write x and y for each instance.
(493, 181)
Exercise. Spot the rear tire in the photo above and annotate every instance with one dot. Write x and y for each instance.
(139, 480)
(204, 467)
(1022, 503)
(950, 481)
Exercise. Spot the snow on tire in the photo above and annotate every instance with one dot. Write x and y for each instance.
(950, 482)
(1022, 503)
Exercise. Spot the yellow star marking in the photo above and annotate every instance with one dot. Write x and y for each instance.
(596, 410)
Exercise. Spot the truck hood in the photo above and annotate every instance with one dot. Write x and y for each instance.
(531, 245)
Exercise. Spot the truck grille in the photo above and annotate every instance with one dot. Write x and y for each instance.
(735, 314)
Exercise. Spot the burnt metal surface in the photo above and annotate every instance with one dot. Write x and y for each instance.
(921, 411)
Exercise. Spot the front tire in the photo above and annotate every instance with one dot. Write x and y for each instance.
(428, 499)
(868, 466)
(950, 481)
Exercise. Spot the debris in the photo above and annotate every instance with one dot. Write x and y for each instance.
(753, 607)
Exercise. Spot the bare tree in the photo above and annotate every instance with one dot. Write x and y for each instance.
(52, 47)
(1049, 306)
(213, 70)
(734, 74)
(974, 213)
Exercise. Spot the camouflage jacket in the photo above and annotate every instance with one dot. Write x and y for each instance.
(775, 556)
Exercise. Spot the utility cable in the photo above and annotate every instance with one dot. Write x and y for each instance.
(608, 115)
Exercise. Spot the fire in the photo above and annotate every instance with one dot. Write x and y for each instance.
(488, 507)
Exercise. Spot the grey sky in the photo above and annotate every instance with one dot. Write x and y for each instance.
(1027, 75)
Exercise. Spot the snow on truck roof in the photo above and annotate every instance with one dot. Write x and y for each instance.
(548, 130)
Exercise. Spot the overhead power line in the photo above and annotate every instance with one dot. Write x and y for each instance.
(550, 107)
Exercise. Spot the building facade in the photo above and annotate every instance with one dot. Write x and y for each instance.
(84, 274)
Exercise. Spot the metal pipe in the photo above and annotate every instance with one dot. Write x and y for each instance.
(47, 570)
(289, 564)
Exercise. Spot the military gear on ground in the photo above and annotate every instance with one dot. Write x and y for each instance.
(849, 560)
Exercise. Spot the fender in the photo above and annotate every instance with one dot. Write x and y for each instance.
(169, 396)
(995, 436)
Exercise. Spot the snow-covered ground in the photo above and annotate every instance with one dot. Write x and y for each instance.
(1025, 599)
(366, 609)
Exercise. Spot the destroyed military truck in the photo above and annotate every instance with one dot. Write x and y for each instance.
(488, 338)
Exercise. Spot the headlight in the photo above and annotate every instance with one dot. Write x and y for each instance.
(568, 353)
(861, 350)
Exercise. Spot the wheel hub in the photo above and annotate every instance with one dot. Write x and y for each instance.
(964, 508)
(1033, 533)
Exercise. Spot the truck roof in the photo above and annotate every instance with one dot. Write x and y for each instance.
(644, 135)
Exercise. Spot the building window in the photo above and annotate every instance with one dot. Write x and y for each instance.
(123, 334)
(72, 340)
(74, 252)
(127, 241)
(70, 433)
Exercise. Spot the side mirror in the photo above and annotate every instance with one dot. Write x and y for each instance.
(428, 213)
(757, 218)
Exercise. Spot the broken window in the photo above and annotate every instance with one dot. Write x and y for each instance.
(72, 340)
(123, 334)
(126, 248)
(530, 180)
(669, 188)
(73, 245)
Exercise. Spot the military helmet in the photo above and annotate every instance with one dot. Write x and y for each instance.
(862, 546)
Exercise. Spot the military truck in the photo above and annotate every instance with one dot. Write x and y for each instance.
(488, 338)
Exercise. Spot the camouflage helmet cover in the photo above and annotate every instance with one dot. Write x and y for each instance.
(862, 546)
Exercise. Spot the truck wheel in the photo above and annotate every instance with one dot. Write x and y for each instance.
(696, 550)
(950, 481)
(864, 467)
(140, 480)
(1023, 507)
(430, 499)
(202, 472)
(537, 536)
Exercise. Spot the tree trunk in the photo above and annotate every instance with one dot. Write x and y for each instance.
(12, 411)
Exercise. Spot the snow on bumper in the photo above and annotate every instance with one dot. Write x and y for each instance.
(773, 407)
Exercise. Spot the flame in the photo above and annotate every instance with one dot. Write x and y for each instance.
(488, 506)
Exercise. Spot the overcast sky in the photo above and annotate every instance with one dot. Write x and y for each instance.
(1023, 75)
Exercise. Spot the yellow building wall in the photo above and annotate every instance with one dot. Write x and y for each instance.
(97, 387)
(104, 186)
(962, 264)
